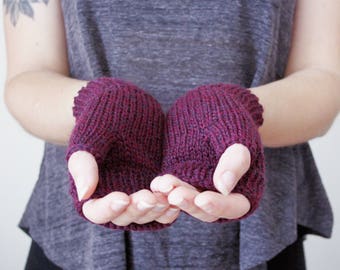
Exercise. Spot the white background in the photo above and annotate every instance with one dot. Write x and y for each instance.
(20, 157)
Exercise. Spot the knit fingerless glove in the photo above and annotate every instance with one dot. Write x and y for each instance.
(122, 127)
(202, 124)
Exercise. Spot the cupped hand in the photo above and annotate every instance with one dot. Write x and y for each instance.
(119, 208)
(210, 206)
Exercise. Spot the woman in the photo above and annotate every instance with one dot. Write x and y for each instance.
(281, 50)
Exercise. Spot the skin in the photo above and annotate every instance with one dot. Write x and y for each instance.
(303, 105)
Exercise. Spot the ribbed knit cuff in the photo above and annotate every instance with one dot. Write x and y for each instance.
(249, 101)
(94, 89)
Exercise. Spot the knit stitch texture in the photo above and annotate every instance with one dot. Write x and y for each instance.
(122, 127)
(202, 124)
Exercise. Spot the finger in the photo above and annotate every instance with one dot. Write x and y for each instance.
(166, 183)
(142, 202)
(159, 210)
(84, 170)
(232, 165)
(169, 216)
(230, 206)
(183, 198)
(105, 209)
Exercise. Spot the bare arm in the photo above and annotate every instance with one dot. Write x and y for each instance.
(304, 104)
(39, 92)
(299, 107)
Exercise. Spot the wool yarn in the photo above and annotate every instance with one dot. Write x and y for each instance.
(122, 127)
(202, 124)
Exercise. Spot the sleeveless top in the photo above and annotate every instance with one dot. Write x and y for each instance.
(167, 48)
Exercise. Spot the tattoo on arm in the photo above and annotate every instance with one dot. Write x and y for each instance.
(15, 7)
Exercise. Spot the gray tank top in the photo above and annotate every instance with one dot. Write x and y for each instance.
(168, 47)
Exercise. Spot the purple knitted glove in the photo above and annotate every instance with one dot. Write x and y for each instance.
(122, 127)
(202, 124)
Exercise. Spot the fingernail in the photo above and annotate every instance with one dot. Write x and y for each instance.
(178, 201)
(142, 205)
(200, 202)
(159, 207)
(153, 184)
(165, 187)
(118, 205)
(228, 182)
(171, 212)
(205, 205)
(81, 191)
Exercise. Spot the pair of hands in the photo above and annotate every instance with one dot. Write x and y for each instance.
(168, 195)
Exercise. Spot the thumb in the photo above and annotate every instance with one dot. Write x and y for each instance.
(233, 164)
(84, 170)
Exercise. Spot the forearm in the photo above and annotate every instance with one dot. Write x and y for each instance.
(298, 107)
(42, 101)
